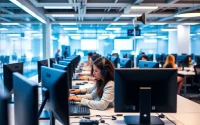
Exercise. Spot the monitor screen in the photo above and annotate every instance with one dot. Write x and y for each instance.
(125, 63)
(197, 59)
(123, 44)
(114, 60)
(130, 32)
(89, 44)
(39, 64)
(4, 96)
(148, 64)
(26, 100)
(160, 94)
(8, 70)
(183, 61)
(54, 81)
(51, 61)
(67, 69)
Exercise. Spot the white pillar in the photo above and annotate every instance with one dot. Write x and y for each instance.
(172, 42)
(183, 39)
(46, 40)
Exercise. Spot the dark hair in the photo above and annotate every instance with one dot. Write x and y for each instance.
(93, 57)
(144, 56)
(90, 54)
(109, 67)
(143, 53)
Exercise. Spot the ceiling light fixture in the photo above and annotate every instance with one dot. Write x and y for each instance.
(62, 15)
(9, 23)
(186, 15)
(169, 29)
(28, 10)
(143, 7)
(58, 7)
(70, 28)
(113, 28)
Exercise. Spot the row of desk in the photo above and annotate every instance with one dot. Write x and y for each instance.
(188, 112)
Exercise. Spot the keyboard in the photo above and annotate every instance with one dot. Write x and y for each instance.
(76, 109)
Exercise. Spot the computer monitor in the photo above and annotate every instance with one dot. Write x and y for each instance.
(197, 59)
(150, 90)
(39, 64)
(67, 69)
(114, 60)
(125, 63)
(55, 94)
(183, 61)
(4, 96)
(52, 61)
(150, 57)
(148, 64)
(72, 63)
(158, 58)
(8, 70)
(26, 100)
(69, 65)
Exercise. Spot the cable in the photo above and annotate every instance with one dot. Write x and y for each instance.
(164, 116)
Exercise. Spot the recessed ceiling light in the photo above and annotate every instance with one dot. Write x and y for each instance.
(131, 15)
(3, 29)
(189, 23)
(113, 28)
(169, 29)
(188, 15)
(62, 15)
(58, 7)
(144, 7)
(9, 23)
(70, 28)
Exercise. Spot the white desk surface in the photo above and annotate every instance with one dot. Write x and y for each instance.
(188, 113)
(190, 73)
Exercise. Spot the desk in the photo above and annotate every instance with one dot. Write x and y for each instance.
(188, 113)
(185, 75)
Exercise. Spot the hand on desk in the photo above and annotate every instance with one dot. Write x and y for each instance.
(74, 98)
(75, 91)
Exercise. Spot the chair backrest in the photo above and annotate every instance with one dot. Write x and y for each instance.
(197, 72)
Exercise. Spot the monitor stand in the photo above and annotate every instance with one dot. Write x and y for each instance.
(145, 117)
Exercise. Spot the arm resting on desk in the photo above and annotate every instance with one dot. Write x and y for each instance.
(88, 90)
(94, 102)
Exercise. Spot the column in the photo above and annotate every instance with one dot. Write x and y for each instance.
(46, 40)
(172, 42)
(183, 39)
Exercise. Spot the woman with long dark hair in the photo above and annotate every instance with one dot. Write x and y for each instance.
(102, 94)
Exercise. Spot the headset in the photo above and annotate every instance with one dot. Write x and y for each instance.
(104, 72)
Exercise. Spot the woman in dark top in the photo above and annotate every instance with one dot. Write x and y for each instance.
(170, 63)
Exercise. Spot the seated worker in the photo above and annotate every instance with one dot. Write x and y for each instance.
(102, 94)
(87, 63)
(144, 57)
(86, 76)
(191, 63)
(170, 63)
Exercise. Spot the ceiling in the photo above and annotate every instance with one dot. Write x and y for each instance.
(99, 11)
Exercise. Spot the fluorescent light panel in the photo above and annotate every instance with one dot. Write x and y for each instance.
(9, 23)
(143, 7)
(58, 7)
(149, 34)
(3, 29)
(119, 23)
(189, 23)
(70, 28)
(62, 15)
(198, 33)
(131, 15)
(188, 15)
(28, 10)
(68, 23)
(13, 34)
(74, 34)
(113, 28)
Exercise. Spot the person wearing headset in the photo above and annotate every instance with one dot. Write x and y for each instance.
(102, 93)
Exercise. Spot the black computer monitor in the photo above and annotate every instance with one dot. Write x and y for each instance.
(197, 60)
(125, 63)
(114, 60)
(69, 65)
(55, 94)
(67, 69)
(4, 96)
(150, 57)
(150, 90)
(148, 64)
(183, 61)
(72, 63)
(26, 100)
(39, 64)
(8, 70)
(52, 61)
(158, 58)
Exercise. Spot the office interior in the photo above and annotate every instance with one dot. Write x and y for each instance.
(33, 30)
